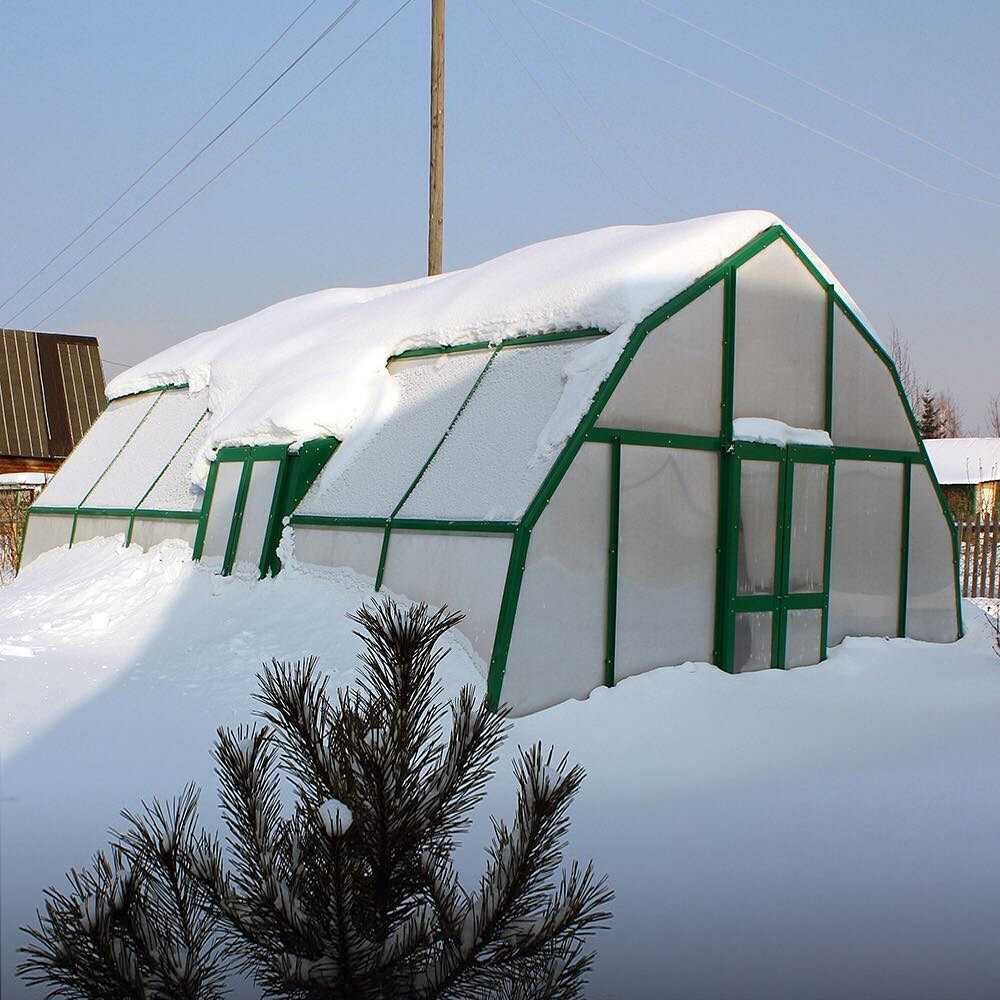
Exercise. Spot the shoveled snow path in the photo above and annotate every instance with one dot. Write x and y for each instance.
(827, 832)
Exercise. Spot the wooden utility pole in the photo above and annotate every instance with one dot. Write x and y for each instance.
(435, 220)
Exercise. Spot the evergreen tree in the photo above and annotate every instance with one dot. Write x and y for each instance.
(354, 894)
(930, 417)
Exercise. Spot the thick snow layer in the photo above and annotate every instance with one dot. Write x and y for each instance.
(965, 460)
(825, 832)
(767, 431)
(316, 365)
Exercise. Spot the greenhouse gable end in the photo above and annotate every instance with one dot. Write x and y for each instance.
(710, 460)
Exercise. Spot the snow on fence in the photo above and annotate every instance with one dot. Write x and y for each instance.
(980, 557)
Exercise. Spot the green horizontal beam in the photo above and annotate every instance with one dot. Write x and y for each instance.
(877, 455)
(811, 454)
(53, 511)
(104, 512)
(342, 522)
(155, 388)
(694, 442)
(429, 524)
(749, 603)
(169, 515)
(485, 345)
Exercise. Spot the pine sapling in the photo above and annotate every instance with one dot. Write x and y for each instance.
(352, 891)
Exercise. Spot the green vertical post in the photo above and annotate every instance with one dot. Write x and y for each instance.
(828, 408)
(904, 549)
(237, 523)
(827, 562)
(613, 536)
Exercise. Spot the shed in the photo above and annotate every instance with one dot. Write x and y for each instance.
(616, 451)
(968, 470)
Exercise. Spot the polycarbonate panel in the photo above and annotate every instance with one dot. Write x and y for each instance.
(752, 645)
(668, 523)
(322, 545)
(96, 451)
(93, 526)
(867, 410)
(865, 564)
(780, 340)
(220, 514)
(150, 531)
(802, 637)
(463, 570)
(45, 532)
(174, 490)
(256, 514)
(369, 481)
(674, 383)
(559, 642)
(758, 526)
(808, 551)
(149, 449)
(488, 467)
(930, 592)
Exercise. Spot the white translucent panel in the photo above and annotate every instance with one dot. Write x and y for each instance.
(780, 340)
(758, 526)
(330, 545)
(45, 532)
(930, 592)
(150, 531)
(96, 451)
(808, 542)
(674, 383)
(668, 524)
(220, 514)
(174, 490)
(463, 570)
(802, 637)
(92, 526)
(488, 467)
(752, 641)
(370, 480)
(149, 450)
(559, 643)
(867, 410)
(256, 513)
(865, 563)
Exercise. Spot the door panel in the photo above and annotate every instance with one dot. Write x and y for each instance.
(777, 582)
(220, 512)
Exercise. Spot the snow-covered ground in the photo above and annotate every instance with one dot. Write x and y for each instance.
(827, 832)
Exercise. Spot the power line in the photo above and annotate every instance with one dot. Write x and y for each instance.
(326, 31)
(874, 115)
(770, 109)
(552, 104)
(615, 138)
(93, 222)
(239, 156)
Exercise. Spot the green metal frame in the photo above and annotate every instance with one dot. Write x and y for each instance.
(729, 469)
(513, 341)
(248, 455)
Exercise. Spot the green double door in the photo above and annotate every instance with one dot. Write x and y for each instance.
(777, 523)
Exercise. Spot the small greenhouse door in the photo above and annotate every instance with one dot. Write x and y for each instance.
(241, 499)
(777, 556)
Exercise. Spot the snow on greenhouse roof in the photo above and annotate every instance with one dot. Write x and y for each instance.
(315, 365)
(965, 460)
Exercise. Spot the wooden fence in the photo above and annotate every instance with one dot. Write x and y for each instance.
(980, 557)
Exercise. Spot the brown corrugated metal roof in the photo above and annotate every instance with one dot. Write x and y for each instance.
(51, 391)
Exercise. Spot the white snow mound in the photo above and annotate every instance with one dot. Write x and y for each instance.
(316, 365)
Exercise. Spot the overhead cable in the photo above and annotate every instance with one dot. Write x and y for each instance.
(239, 156)
(208, 145)
(770, 109)
(819, 88)
(97, 218)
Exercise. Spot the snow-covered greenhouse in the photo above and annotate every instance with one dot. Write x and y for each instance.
(616, 451)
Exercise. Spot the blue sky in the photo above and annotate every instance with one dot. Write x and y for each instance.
(94, 91)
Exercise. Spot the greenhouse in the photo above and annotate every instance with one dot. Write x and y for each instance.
(613, 452)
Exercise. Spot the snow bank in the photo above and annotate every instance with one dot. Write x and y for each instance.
(965, 460)
(825, 832)
(316, 365)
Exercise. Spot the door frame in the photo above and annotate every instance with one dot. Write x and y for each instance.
(780, 601)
